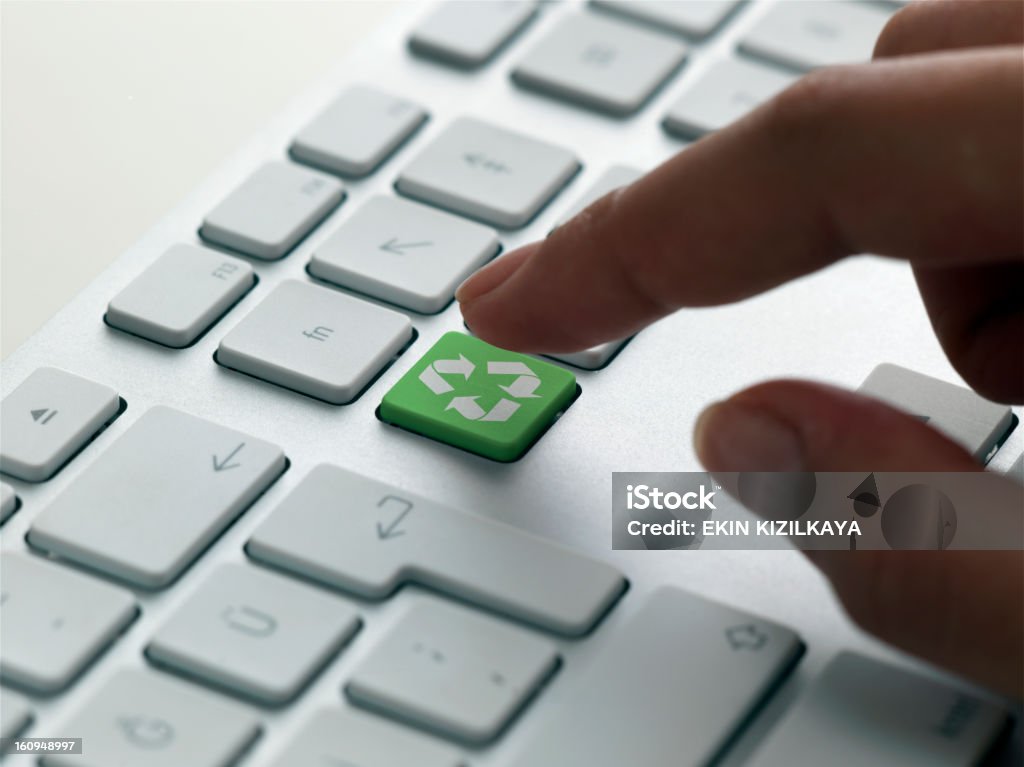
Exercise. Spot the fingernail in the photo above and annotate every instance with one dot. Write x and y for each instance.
(486, 279)
(732, 436)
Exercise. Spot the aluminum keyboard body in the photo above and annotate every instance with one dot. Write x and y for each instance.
(635, 414)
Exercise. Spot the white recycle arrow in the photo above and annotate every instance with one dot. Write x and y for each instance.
(431, 375)
(524, 386)
(467, 407)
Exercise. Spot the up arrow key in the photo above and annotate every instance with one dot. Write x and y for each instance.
(224, 465)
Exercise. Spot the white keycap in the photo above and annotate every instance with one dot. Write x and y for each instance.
(143, 719)
(594, 358)
(454, 670)
(357, 132)
(157, 497)
(8, 501)
(341, 737)
(489, 173)
(469, 34)
(272, 210)
(49, 418)
(55, 621)
(405, 253)
(378, 537)
(863, 713)
(316, 341)
(616, 176)
(15, 714)
(693, 18)
(601, 63)
(670, 687)
(806, 35)
(723, 93)
(1016, 471)
(256, 633)
(182, 294)
(976, 423)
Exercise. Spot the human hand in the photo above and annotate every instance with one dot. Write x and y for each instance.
(918, 155)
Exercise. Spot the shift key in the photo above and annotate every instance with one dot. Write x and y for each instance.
(147, 507)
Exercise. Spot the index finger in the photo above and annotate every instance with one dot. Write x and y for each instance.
(917, 158)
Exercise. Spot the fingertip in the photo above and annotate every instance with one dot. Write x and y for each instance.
(489, 277)
(732, 436)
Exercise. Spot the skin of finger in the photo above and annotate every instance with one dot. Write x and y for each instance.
(978, 315)
(962, 610)
(917, 158)
(497, 271)
(839, 431)
(923, 27)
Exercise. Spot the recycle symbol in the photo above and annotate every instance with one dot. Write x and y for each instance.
(522, 387)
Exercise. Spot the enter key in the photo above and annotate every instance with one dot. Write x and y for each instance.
(369, 538)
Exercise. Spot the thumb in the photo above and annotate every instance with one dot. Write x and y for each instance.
(963, 610)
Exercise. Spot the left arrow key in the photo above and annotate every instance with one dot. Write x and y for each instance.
(50, 417)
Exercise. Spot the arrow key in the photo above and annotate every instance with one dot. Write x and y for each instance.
(404, 253)
(157, 497)
(49, 418)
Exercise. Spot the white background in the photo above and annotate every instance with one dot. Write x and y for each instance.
(112, 111)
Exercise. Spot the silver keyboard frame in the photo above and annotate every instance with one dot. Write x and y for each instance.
(834, 326)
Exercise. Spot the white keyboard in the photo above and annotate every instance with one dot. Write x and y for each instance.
(215, 553)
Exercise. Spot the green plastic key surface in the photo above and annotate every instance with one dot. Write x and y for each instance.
(478, 397)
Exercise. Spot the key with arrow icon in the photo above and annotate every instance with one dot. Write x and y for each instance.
(43, 416)
(399, 248)
(50, 417)
(158, 495)
(391, 529)
(223, 464)
(404, 253)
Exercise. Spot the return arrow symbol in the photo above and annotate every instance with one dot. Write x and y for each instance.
(386, 533)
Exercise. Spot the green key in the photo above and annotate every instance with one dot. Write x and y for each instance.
(478, 397)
